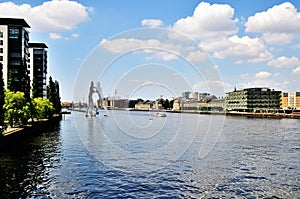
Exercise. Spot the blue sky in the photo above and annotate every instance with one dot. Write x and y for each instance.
(247, 44)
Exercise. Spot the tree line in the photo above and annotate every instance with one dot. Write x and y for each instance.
(17, 107)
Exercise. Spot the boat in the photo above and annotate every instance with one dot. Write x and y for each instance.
(161, 114)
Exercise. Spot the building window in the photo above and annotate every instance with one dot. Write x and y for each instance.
(17, 55)
(1, 42)
(15, 63)
(1, 50)
(1, 34)
(14, 33)
(1, 58)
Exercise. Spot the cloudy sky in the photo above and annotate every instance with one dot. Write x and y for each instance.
(152, 47)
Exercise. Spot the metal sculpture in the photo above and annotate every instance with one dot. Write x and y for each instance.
(90, 111)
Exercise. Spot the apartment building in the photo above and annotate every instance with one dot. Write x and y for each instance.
(14, 49)
(22, 61)
(38, 68)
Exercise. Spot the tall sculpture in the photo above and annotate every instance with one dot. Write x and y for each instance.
(90, 111)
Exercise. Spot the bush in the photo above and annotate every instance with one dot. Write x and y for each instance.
(17, 110)
(43, 107)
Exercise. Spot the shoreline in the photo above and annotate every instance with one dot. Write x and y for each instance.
(11, 136)
(237, 114)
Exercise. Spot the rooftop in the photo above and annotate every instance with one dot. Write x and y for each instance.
(14, 21)
(37, 45)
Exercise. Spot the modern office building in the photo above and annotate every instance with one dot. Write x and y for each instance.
(38, 68)
(253, 99)
(14, 50)
(290, 100)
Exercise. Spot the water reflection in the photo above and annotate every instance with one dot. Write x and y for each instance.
(26, 164)
(253, 158)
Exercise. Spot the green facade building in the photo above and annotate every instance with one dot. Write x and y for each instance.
(253, 100)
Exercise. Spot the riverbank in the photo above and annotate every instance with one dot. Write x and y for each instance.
(237, 114)
(10, 135)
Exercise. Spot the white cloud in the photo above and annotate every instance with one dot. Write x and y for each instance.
(262, 75)
(75, 36)
(164, 51)
(166, 56)
(281, 20)
(152, 22)
(245, 75)
(215, 87)
(268, 83)
(148, 83)
(197, 56)
(55, 36)
(238, 48)
(284, 62)
(208, 21)
(59, 36)
(50, 16)
(278, 38)
(296, 71)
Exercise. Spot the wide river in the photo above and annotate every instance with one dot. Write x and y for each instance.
(132, 154)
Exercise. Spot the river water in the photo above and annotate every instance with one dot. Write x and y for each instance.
(138, 155)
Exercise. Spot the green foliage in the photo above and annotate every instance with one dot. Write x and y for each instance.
(17, 109)
(34, 89)
(166, 104)
(44, 108)
(171, 104)
(140, 100)
(53, 94)
(11, 83)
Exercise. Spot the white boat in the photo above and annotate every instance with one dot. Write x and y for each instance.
(161, 114)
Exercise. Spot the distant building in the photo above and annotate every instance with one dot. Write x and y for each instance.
(186, 94)
(14, 48)
(290, 100)
(195, 95)
(177, 103)
(253, 99)
(203, 96)
(216, 104)
(120, 103)
(143, 106)
(294, 100)
(284, 100)
(38, 67)
(200, 96)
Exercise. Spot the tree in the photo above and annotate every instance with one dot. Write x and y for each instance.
(57, 98)
(17, 109)
(44, 108)
(53, 94)
(140, 100)
(34, 89)
(166, 104)
(2, 96)
(11, 83)
(171, 104)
